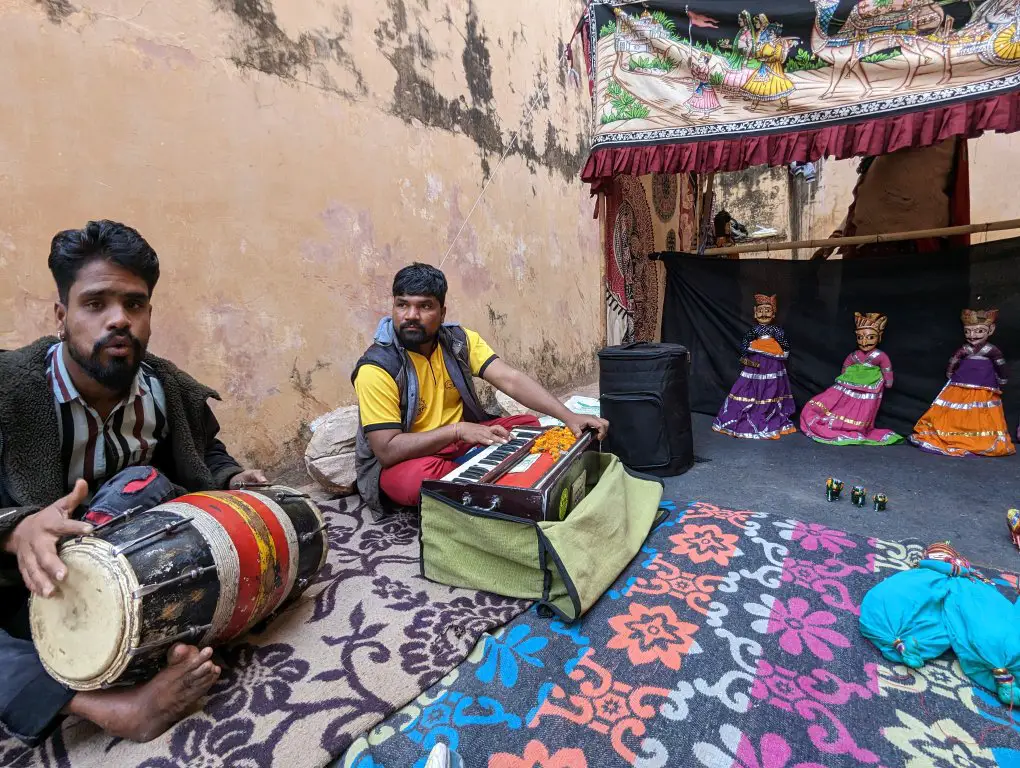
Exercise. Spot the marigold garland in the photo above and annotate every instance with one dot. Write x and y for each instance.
(555, 442)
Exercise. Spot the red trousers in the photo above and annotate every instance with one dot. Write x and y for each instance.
(402, 482)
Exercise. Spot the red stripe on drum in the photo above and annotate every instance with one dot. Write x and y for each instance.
(274, 577)
(254, 545)
(225, 558)
(276, 556)
(291, 544)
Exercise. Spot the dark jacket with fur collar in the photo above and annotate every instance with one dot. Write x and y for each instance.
(31, 471)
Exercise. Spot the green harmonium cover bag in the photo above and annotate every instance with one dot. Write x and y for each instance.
(567, 564)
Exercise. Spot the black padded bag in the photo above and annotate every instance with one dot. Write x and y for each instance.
(644, 395)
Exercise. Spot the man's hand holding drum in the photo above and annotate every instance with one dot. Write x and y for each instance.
(248, 478)
(34, 541)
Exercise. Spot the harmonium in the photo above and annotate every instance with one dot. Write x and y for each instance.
(522, 477)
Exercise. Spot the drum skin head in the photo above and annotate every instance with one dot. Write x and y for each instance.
(83, 632)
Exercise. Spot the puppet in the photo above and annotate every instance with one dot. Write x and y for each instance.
(966, 418)
(760, 404)
(844, 414)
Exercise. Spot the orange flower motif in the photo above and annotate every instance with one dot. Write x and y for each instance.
(652, 634)
(702, 543)
(605, 705)
(703, 510)
(536, 755)
(667, 579)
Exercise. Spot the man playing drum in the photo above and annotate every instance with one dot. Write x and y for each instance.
(91, 417)
(417, 357)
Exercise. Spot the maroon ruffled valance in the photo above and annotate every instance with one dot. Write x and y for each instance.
(869, 137)
(704, 86)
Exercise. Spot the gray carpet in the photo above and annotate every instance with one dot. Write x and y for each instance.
(930, 497)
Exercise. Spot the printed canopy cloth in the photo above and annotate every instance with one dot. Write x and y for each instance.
(725, 84)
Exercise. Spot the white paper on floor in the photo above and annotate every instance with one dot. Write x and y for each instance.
(589, 406)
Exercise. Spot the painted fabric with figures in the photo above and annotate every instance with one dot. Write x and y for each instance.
(966, 419)
(667, 73)
(632, 283)
(844, 414)
(760, 404)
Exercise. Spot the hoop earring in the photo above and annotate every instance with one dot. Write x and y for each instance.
(61, 334)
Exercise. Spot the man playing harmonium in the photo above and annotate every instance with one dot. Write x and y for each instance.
(419, 408)
(87, 419)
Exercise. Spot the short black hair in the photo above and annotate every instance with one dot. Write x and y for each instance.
(421, 280)
(118, 243)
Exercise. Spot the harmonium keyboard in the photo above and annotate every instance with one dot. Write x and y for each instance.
(509, 479)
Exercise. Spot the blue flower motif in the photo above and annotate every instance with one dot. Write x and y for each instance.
(434, 721)
(617, 594)
(569, 666)
(573, 631)
(502, 654)
(990, 704)
(544, 692)
(1006, 758)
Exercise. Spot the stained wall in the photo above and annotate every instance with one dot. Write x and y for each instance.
(796, 208)
(285, 159)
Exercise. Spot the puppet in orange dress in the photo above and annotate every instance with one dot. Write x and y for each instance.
(760, 404)
(966, 418)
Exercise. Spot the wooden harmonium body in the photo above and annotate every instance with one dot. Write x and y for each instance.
(512, 480)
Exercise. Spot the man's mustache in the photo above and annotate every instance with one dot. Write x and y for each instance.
(113, 336)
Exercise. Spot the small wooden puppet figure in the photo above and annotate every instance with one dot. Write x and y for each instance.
(844, 414)
(760, 404)
(966, 418)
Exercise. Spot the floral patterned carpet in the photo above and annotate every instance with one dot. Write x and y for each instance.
(369, 637)
(732, 643)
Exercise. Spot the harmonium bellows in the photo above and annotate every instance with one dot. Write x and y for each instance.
(511, 479)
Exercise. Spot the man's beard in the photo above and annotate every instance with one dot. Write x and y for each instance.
(116, 375)
(413, 336)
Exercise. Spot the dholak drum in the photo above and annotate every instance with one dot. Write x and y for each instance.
(201, 569)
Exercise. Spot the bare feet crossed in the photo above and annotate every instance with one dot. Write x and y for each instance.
(146, 711)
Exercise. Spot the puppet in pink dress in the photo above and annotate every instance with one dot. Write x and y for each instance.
(844, 414)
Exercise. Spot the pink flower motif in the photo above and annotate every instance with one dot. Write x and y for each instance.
(827, 579)
(798, 627)
(774, 752)
(799, 572)
(814, 536)
(778, 685)
(809, 697)
(738, 751)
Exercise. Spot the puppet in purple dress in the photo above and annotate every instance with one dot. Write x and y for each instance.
(844, 414)
(760, 404)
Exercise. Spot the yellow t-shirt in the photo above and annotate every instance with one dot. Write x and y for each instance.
(439, 402)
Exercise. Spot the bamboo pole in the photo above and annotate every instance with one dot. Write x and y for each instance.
(836, 242)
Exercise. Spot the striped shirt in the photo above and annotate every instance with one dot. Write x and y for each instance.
(93, 449)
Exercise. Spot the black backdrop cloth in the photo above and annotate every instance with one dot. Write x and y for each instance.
(708, 307)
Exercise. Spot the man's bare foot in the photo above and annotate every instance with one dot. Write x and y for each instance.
(143, 712)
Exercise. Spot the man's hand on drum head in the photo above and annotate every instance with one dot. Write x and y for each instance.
(34, 541)
(248, 477)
